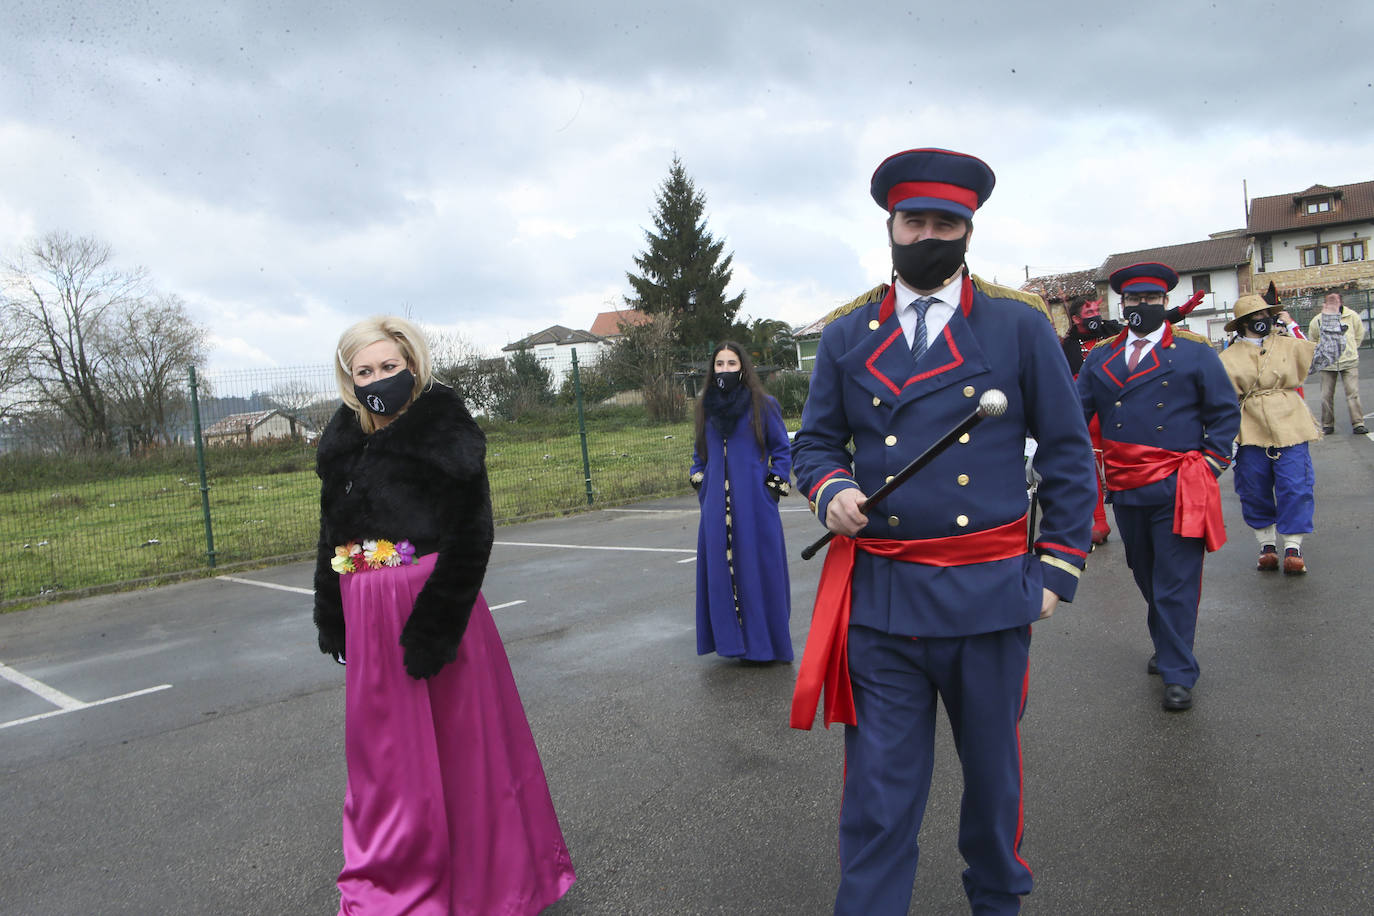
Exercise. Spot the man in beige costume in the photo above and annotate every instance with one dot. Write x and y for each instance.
(1273, 468)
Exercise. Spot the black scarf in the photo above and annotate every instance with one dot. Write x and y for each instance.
(724, 410)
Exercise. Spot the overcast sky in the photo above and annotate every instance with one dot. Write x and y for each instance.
(288, 168)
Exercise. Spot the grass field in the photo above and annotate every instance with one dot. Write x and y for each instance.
(68, 524)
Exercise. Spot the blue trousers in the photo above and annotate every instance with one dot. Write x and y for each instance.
(1275, 487)
(1168, 570)
(890, 756)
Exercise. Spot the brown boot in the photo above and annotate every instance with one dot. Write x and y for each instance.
(1292, 562)
(1268, 559)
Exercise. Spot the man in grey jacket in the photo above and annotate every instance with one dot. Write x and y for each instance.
(1338, 333)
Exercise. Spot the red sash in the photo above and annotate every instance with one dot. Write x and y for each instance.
(825, 662)
(1197, 497)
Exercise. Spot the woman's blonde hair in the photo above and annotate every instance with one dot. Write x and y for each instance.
(409, 339)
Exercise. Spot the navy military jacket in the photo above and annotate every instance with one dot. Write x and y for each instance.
(1179, 398)
(871, 410)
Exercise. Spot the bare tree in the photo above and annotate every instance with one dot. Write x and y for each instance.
(147, 353)
(304, 404)
(646, 356)
(62, 293)
(460, 363)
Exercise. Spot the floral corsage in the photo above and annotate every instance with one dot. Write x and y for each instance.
(361, 556)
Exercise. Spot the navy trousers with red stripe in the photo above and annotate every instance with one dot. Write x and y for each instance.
(1168, 570)
(889, 758)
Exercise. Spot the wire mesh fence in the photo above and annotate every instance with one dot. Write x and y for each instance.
(77, 519)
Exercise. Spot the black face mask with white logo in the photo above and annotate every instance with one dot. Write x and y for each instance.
(728, 381)
(1145, 317)
(1260, 325)
(927, 264)
(386, 396)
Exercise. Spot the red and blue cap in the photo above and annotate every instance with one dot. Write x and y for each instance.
(1145, 277)
(932, 179)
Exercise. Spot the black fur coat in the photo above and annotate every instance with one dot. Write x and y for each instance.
(422, 478)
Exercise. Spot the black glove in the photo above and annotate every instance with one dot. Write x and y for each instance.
(424, 660)
(332, 643)
(777, 486)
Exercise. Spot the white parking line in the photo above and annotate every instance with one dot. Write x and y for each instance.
(56, 697)
(497, 607)
(281, 588)
(593, 547)
(52, 695)
(688, 560)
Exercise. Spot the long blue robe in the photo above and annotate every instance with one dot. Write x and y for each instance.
(743, 598)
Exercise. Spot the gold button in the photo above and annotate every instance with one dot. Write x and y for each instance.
(889, 479)
(963, 480)
(891, 440)
(962, 521)
(893, 521)
(968, 391)
(1160, 404)
(877, 401)
(963, 440)
(873, 325)
(1117, 404)
(1118, 426)
(1171, 346)
(1165, 384)
(812, 504)
(1159, 429)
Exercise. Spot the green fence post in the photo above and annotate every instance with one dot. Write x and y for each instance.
(200, 462)
(582, 426)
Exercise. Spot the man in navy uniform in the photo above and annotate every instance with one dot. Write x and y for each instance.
(1169, 417)
(933, 593)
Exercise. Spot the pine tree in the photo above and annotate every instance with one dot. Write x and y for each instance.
(682, 274)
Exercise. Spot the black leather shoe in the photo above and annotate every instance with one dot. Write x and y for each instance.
(1152, 666)
(1177, 697)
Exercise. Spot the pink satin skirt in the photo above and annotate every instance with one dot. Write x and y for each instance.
(447, 810)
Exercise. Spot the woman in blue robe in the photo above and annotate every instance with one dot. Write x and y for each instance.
(741, 467)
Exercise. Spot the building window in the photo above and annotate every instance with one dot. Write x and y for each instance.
(1352, 251)
(1319, 206)
(1266, 251)
(1202, 283)
(1315, 256)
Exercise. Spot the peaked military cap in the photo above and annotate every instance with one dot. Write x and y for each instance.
(932, 179)
(1145, 277)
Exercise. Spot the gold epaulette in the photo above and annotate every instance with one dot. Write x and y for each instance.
(993, 291)
(1195, 337)
(875, 294)
(1104, 341)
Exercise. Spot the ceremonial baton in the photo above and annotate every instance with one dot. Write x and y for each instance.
(993, 403)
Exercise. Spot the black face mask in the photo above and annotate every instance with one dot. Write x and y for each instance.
(1092, 327)
(927, 264)
(388, 395)
(1259, 326)
(1145, 317)
(728, 381)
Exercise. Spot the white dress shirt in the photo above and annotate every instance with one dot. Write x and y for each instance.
(1152, 338)
(938, 313)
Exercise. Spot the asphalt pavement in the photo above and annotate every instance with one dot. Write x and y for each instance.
(212, 779)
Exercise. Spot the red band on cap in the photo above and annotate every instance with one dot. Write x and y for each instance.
(936, 189)
(1152, 281)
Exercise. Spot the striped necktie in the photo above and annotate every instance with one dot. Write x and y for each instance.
(918, 340)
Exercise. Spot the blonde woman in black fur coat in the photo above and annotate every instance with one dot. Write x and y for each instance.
(447, 810)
